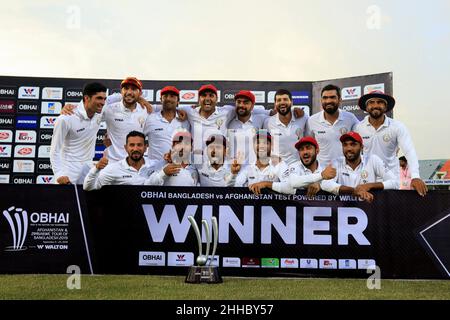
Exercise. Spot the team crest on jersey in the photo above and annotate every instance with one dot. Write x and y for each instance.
(219, 123)
(271, 177)
(364, 174)
(99, 119)
(141, 121)
(343, 130)
(386, 137)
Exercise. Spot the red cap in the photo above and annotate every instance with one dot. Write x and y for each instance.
(207, 87)
(308, 139)
(246, 94)
(133, 81)
(170, 89)
(353, 136)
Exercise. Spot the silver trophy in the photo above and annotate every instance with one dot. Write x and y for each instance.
(204, 272)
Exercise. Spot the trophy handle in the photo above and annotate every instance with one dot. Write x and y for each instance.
(197, 234)
(208, 237)
(216, 237)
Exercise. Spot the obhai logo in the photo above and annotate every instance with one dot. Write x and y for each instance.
(19, 227)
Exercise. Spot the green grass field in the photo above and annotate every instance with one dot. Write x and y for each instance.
(173, 287)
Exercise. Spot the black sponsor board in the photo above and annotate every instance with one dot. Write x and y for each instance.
(146, 228)
(41, 235)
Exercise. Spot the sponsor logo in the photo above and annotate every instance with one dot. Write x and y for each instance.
(7, 106)
(51, 93)
(45, 136)
(26, 122)
(99, 151)
(23, 179)
(214, 262)
(300, 97)
(228, 96)
(7, 122)
(366, 264)
(44, 166)
(51, 107)
(44, 179)
(100, 137)
(152, 259)
(4, 178)
(327, 264)
(48, 122)
(5, 165)
(148, 95)
(21, 151)
(270, 263)
(23, 136)
(180, 259)
(231, 262)
(8, 92)
(74, 94)
(308, 264)
(271, 96)
(5, 151)
(351, 93)
(372, 87)
(347, 264)
(28, 93)
(289, 263)
(18, 222)
(27, 107)
(6, 136)
(188, 96)
(250, 262)
(44, 152)
(24, 166)
(260, 96)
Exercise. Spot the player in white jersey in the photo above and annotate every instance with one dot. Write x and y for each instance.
(73, 142)
(263, 170)
(161, 125)
(383, 136)
(329, 124)
(176, 169)
(133, 170)
(357, 174)
(284, 128)
(306, 173)
(122, 114)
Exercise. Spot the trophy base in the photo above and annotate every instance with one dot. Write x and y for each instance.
(203, 274)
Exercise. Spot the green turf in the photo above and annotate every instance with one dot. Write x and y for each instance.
(158, 287)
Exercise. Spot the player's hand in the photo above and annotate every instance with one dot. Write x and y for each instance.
(145, 104)
(328, 173)
(68, 109)
(299, 113)
(171, 169)
(365, 195)
(420, 186)
(102, 163)
(235, 167)
(312, 190)
(257, 187)
(182, 115)
(63, 180)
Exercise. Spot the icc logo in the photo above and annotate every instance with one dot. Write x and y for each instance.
(18, 222)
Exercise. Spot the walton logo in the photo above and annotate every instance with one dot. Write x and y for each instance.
(28, 90)
(19, 227)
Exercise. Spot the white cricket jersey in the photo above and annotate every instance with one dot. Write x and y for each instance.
(210, 177)
(370, 170)
(284, 137)
(251, 174)
(118, 173)
(240, 137)
(187, 177)
(120, 121)
(385, 142)
(297, 176)
(160, 132)
(327, 135)
(73, 144)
